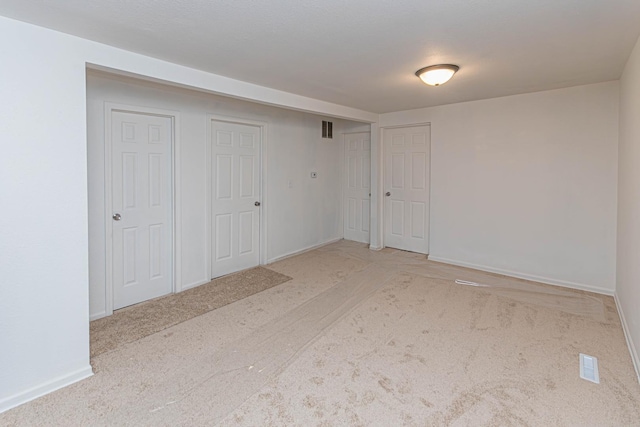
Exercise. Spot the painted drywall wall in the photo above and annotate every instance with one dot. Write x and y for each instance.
(44, 331)
(628, 250)
(526, 185)
(303, 216)
(44, 302)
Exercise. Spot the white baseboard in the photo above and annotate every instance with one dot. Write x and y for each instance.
(269, 261)
(525, 276)
(45, 388)
(97, 316)
(303, 250)
(194, 284)
(627, 336)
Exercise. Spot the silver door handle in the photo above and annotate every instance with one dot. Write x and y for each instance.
(388, 193)
(116, 217)
(257, 203)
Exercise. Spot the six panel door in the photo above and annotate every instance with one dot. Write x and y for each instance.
(406, 188)
(357, 186)
(235, 221)
(141, 213)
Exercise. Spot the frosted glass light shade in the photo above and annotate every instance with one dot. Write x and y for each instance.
(436, 75)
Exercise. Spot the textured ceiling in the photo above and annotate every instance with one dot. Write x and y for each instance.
(363, 53)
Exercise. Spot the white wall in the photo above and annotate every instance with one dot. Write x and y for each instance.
(306, 215)
(44, 303)
(628, 271)
(44, 331)
(526, 185)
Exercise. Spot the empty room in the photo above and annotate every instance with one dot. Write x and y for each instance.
(364, 213)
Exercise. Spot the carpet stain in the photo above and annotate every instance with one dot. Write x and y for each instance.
(385, 383)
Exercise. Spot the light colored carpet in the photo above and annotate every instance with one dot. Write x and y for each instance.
(141, 320)
(365, 338)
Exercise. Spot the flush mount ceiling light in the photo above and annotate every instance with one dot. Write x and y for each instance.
(435, 75)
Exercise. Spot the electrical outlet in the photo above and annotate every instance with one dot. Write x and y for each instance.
(314, 174)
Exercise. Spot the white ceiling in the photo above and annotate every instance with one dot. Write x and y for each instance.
(363, 53)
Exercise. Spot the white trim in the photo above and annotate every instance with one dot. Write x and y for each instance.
(264, 130)
(627, 335)
(379, 182)
(303, 250)
(108, 228)
(343, 177)
(195, 284)
(44, 388)
(176, 220)
(123, 63)
(376, 193)
(176, 180)
(97, 316)
(264, 126)
(525, 276)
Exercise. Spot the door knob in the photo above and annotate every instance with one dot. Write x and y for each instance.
(116, 217)
(257, 203)
(388, 193)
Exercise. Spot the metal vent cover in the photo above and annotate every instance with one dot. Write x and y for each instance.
(327, 129)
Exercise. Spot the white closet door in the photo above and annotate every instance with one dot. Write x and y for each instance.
(141, 213)
(357, 186)
(406, 187)
(235, 221)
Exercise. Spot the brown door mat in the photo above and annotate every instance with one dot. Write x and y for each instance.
(144, 319)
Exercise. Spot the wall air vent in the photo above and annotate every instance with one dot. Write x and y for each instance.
(327, 129)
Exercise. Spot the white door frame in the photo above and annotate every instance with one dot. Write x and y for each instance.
(175, 220)
(263, 126)
(380, 181)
